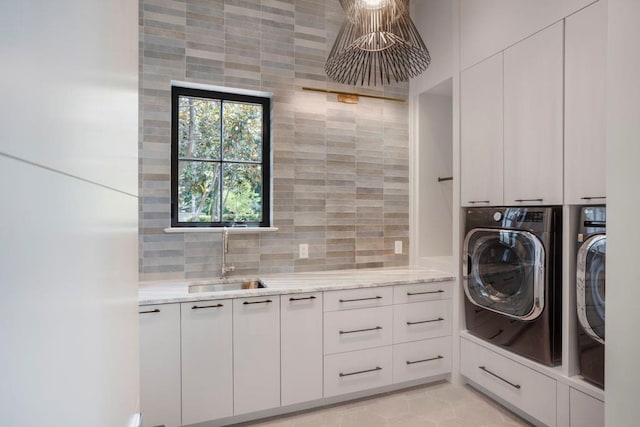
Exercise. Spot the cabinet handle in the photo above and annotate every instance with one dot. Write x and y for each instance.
(360, 299)
(473, 202)
(439, 291)
(439, 319)
(528, 200)
(412, 362)
(377, 368)
(302, 299)
(198, 307)
(377, 328)
(157, 310)
(500, 378)
(593, 198)
(257, 302)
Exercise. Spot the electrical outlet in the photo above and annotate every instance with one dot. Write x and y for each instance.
(303, 251)
(398, 247)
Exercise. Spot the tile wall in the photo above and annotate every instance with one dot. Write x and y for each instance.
(340, 172)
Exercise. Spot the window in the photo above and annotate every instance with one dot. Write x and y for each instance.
(220, 159)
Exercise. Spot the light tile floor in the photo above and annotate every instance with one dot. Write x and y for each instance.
(439, 405)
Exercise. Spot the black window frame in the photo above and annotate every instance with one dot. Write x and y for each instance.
(176, 92)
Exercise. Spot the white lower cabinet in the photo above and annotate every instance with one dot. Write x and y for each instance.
(421, 320)
(421, 359)
(301, 347)
(256, 354)
(357, 329)
(357, 370)
(584, 410)
(160, 365)
(207, 361)
(526, 389)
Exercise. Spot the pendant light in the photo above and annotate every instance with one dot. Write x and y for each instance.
(377, 44)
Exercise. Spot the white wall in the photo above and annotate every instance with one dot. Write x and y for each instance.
(433, 19)
(68, 223)
(489, 26)
(623, 204)
(435, 153)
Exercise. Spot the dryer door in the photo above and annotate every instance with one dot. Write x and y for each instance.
(590, 286)
(504, 272)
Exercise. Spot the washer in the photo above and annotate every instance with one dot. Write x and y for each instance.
(590, 292)
(513, 279)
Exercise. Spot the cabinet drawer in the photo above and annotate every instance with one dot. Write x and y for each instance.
(357, 329)
(421, 320)
(358, 298)
(403, 294)
(357, 370)
(421, 359)
(530, 391)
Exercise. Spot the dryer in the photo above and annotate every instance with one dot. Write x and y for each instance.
(590, 292)
(512, 279)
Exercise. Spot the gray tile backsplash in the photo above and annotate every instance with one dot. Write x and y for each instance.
(340, 172)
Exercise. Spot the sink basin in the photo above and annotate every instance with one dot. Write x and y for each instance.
(226, 286)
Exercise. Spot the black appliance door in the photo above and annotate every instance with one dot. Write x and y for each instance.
(590, 286)
(505, 271)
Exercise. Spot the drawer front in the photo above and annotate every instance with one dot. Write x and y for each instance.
(357, 370)
(530, 391)
(421, 320)
(357, 329)
(358, 298)
(584, 410)
(403, 294)
(421, 359)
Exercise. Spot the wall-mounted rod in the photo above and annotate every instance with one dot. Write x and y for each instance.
(447, 178)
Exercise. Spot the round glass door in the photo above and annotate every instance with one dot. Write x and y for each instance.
(505, 272)
(591, 286)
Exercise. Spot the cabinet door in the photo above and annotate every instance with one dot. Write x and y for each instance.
(584, 410)
(481, 133)
(160, 365)
(533, 119)
(207, 364)
(301, 347)
(585, 130)
(256, 354)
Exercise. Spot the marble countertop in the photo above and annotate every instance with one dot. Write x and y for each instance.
(165, 292)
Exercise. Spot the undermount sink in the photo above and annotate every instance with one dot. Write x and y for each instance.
(226, 286)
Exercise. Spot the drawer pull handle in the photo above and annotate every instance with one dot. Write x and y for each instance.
(267, 301)
(439, 291)
(409, 362)
(593, 198)
(157, 310)
(360, 299)
(517, 386)
(377, 368)
(439, 319)
(473, 202)
(302, 299)
(377, 328)
(528, 200)
(199, 307)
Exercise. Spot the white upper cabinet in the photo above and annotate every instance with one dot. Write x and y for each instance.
(585, 62)
(533, 119)
(481, 136)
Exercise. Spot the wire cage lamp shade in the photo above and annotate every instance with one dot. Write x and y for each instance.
(377, 43)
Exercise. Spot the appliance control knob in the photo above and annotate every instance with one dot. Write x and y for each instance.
(497, 216)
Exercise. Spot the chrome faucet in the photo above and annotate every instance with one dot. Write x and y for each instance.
(225, 248)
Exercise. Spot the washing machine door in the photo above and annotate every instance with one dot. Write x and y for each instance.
(590, 286)
(504, 272)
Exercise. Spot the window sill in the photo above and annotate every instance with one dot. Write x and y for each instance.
(232, 230)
